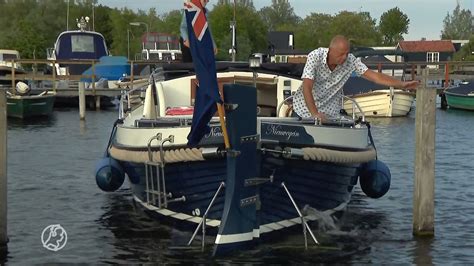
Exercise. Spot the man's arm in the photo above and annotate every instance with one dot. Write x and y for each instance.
(386, 80)
(309, 99)
(183, 28)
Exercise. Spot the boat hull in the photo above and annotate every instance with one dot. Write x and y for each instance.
(382, 103)
(458, 101)
(30, 106)
(322, 186)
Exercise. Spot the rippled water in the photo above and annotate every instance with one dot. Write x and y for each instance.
(50, 181)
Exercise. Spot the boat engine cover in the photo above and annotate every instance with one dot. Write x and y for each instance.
(22, 88)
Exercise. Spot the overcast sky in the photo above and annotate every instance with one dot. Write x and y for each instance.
(426, 16)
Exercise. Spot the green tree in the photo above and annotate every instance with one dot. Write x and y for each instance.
(248, 3)
(171, 22)
(314, 31)
(466, 52)
(393, 23)
(278, 14)
(459, 25)
(251, 31)
(358, 27)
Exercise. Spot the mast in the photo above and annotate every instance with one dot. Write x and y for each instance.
(233, 25)
(67, 16)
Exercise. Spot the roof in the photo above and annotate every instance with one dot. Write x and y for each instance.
(427, 46)
(357, 85)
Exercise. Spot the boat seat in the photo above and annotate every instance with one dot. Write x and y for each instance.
(157, 123)
(181, 110)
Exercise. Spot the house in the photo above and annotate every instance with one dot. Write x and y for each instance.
(281, 48)
(427, 51)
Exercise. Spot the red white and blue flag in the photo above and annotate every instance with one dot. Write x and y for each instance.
(202, 51)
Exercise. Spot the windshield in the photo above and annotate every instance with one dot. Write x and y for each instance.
(82, 43)
(8, 57)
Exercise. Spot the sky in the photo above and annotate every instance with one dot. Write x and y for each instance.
(426, 16)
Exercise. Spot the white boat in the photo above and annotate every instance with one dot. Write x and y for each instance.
(375, 100)
(6, 58)
(278, 173)
(76, 49)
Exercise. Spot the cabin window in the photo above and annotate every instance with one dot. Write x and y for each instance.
(432, 57)
(8, 57)
(82, 43)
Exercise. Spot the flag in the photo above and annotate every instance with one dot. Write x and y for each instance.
(202, 51)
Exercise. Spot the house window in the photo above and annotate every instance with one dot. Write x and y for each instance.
(432, 57)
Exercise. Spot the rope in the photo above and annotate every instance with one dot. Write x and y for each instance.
(195, 154)
(325, 155)
(171, 156)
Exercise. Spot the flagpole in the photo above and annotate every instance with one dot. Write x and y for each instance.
(220, 110)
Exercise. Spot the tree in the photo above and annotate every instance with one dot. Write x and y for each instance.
(393, 23)
(251, 30)
(459, 25)
(248, 3)
(358, 27)
(278, 14)
(466, 52)
(171, 22)
(314, 31)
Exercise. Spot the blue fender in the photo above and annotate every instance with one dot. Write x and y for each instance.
(109, 174)
(375, 179)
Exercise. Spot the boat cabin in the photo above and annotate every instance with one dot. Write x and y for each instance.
(73, 45)
(160, 46)
(6, 56)
(77, 45)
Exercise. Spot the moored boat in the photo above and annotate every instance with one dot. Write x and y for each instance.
(461, 96)
(375, 100)
(6, 66)
(279, 167)
(22, 104)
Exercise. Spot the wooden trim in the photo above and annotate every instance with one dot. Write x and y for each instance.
(220, 83)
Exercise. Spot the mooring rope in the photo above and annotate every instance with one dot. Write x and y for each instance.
(195, 154)
(326, 155)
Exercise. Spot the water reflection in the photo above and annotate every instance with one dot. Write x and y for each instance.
(3, 255)
(32, 122)
(422, 251)
(137, 238)
(460, 113)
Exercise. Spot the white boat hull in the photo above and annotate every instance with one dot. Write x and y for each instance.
(382, 103)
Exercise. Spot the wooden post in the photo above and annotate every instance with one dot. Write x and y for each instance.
(446, 75)
(97, 102)
(3, 171)
(13, 75)
(423, 193)
(412, 72)
(93, 77)
(54, 76)
(82, 101)
(131, 75)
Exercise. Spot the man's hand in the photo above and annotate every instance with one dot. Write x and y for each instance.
(321, 117)
(411, 85)
(186, 43)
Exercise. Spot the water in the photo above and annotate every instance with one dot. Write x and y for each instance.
(50, 178)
